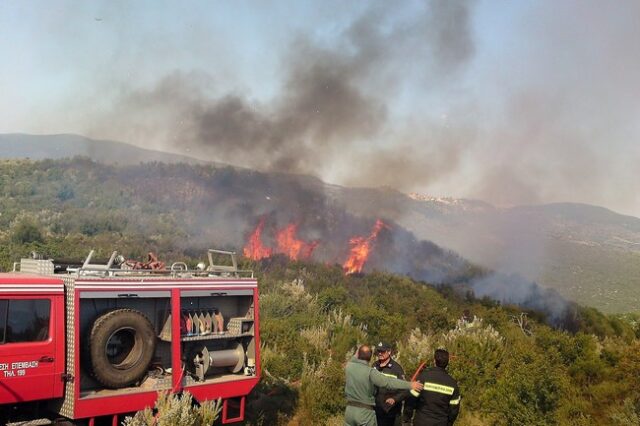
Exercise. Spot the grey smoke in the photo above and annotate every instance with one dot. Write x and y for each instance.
(330, 117)
(513, 289)
(547, 123)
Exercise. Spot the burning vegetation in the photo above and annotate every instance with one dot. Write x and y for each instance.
(288, 244)
(361, 248)
(286, 240)
(254, 249)
(292, 247)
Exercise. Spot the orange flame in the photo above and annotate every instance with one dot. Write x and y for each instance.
(289, 245)
(254, 249)
(360, 249)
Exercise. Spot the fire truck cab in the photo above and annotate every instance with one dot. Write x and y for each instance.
(79, 343)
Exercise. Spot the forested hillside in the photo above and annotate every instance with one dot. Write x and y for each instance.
(183, 207)
(587, 254)
(513, 368)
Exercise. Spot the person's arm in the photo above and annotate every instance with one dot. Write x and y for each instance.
(454, 405)
(382, 381)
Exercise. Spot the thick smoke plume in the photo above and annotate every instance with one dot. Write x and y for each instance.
(535, 105)
(330, 117)
(539, 109)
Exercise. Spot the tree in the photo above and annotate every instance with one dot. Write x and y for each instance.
(26, 231)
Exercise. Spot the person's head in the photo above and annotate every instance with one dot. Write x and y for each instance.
(383, 351)
(441, 358)
(364, 353)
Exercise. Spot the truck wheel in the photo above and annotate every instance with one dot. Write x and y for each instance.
(121, 345)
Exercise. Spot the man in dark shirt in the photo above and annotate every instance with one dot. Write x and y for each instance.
(438, 403)
(388, 401)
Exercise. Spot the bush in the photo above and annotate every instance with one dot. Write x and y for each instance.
(176, 410)
(476, 352)
(26, 231)
(321, 395)
(528, 389)
(628, 414)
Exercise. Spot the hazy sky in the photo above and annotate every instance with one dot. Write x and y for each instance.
(507, 101)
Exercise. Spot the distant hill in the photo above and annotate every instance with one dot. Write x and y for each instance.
(588, 254)
(40, 147)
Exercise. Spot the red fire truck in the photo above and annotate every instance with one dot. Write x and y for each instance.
(94, 340)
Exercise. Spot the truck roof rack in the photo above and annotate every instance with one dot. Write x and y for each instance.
(116, 266)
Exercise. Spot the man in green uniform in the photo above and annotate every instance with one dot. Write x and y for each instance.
(361, 385)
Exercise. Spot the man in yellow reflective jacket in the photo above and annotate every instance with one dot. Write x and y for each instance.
(438, 402)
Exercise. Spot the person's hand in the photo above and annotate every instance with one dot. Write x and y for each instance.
(416, 386)
(390, 401)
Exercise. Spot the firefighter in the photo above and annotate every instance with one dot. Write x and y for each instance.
(438, 403)
(360, 386)
(388, 402)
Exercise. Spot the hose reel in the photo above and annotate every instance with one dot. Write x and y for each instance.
(204, 360)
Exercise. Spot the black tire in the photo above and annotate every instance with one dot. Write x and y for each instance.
(121, 345)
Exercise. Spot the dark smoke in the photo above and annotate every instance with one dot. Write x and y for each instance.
(332, 108)
(530, 128)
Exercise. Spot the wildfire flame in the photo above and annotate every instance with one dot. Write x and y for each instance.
(289, 245)
(255, 249)
(360, 249)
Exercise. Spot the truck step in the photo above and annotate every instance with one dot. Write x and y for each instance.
(37, 422)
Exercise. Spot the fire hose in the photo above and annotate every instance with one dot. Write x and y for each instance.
(152, 263)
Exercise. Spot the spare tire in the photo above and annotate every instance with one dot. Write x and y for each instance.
(121, 345)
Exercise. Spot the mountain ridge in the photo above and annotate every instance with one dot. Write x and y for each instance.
(588, 253)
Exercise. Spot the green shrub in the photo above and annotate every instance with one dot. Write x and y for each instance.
(627, 414)
(26, 231)
(321, 391)
(176, 410)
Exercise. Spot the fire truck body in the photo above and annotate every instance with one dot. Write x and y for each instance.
(102, 341)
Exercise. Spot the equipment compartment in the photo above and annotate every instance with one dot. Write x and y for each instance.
(217, 334)
(120, 349)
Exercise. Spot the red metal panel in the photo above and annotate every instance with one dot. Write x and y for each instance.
(256, 327)
(110, 405)
(76, 353)
(207, 392)
(176, 363)
(60, 343)
(129, 402)
(171, 280)
(29, 284)
(28, 369)
(7, 278)
(225, 412)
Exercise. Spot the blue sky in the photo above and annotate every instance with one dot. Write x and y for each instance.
(508, 101)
